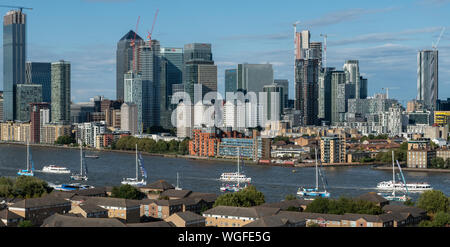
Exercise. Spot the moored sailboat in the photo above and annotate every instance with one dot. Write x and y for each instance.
(310, 193)
(29, 170)
(139, 166)
(83, 172)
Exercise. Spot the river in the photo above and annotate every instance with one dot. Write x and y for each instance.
(201, 175)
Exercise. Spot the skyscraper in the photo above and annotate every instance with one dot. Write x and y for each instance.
(253, 77)
(337, 79)
(196, 54)
(129, 118)
(230, 81)
(306, 89)
(171, 74)
(274, 106)
(427, 78)
(124, 57)
(150, 71)
(351, 69)
(26, 94)
(133, 91)
(40, 73)
(324, 97)
(36, 123)
(285, 85)
(14, 55)
(60, 112)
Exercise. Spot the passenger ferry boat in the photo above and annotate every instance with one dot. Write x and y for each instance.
(139, 166)
(235, 176)
(71, 187)
(28, 171)
(311, 193)
(55, 169)
(393, 196)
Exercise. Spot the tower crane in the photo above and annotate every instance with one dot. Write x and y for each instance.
(387, 92)
(133, 44)
(435, 45)
(15, 7)
(149, 36)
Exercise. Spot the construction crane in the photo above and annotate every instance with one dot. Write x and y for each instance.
(149, 36)
(16, 7)
(439, 39)
(324, 49)
(387, 92)
(133, 43)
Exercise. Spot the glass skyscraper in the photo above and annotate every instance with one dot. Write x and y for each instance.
(230, 81)
(13, 59)
(26, 94)
(253, 77)
(40, 73)
(60, 105)
(427, 78)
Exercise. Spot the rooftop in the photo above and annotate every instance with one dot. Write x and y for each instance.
(58, 220)
(253, 212)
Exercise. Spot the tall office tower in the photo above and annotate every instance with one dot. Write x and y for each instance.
(196, 54)
(207, 77)
(124, 57)
(274, 106)
(129, 118)
(60, 105)
(253, 77)
(305, 42)
(133, 94)
(229, 114)
(285, 85)
(351, 69)
(230, 81)
(315, 52)
(150, 71)
(324, 97)
(306, 89)
(1, 109)
(40, 73)
(35, 118)
(337, 79)
(363, 88)
(427, 78)
(26, 94)
(14, 55)
(171, 74)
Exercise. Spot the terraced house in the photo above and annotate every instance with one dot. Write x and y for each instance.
(125, 210)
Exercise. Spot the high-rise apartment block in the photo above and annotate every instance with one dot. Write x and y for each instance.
(427, 78)
(60, 105)
(306, 89)
(40, 73)
(26, 94)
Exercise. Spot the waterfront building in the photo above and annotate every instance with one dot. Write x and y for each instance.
(129, 118)
(306, 89)
(228, 216)
(324, 96)
(15, 131)
(14, 55)
(60, 104)
(230, 81)
(86, 133)
(204, 143)
(26, 94)
(36, 123)
(40, 73)
(420, 158)
(171, 74)
(352, 76)
(332, 149)
(124, 59)
(285, 85)
(249, 148)
(253, 77)
(150, 71)
(427, 78)
(442, 118)
(103, 140)
(51, 131)
(443, 105)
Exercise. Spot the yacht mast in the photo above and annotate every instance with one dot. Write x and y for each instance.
(28, 155)
(393, 174)
(317, 171)
(239, 158)
(81, 160)
(136, 163)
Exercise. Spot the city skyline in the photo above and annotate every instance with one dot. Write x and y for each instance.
(386, 50)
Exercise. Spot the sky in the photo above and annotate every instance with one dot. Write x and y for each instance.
(383, 35)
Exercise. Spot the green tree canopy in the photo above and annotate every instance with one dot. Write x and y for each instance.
(127, 191)
(247, 197)
(63, 140)
(433, 201)
(25, 223)
(23, 187)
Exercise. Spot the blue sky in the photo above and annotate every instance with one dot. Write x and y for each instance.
(383, 35)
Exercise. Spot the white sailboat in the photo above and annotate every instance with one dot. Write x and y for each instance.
(29, 170)
(178, 184)
(139, 165)
(314, 192)
(235, 187)
(393, 196)
(82, 176)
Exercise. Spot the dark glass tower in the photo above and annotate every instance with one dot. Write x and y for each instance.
(306, 89)
(124, 57)
(13, 59)
(40, 73)
(230, 81)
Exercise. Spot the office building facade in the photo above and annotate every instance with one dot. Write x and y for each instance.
(427, 78)
(253, 77)
(230, 81)
(306, 89)
(26, 94)
(40, 73)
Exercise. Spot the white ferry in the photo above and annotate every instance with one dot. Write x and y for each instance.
(55, 169)
(412, 187)
(234, 177)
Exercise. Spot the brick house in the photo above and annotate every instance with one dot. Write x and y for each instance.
(186, 219)
(126, 210)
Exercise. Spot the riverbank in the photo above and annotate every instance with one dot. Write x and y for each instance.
(411, 169)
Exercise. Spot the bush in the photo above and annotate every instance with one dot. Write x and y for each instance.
(127, 191)
(23, 187)
(247, 197)
(433, 201)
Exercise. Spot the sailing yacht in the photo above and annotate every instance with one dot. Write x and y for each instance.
(238, 177)
(310, 193)
(139, 165)
(393, 196)
(178, 184)
(28, 171)
(82, 176)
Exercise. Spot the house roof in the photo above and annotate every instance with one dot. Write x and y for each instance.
(278, 220)
(113, 202)
(367, 217)
(159, 185)
(187, 216)
(283, 205)
(40, 202)
(176, 193)
(160, 223)
(6, 214)
(253, 212)
(58, 220)
(306, 216)
(414, 211)
(92, 191)
(91, 208)
(372, 197)
(208, 197)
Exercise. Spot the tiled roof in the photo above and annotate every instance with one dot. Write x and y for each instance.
(372, 197)
(253, 212)
(367, 217)
(113, 202)
(188, 216)
(208, 197)
(159, 185)
(414, 211)
(283, 205)
(176, 193)
(91, 208)
(40, 202)
(160, 223)
(58, 220)
(275, 221)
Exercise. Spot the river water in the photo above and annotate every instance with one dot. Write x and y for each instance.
(202, 175)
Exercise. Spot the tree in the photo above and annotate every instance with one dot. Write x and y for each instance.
(247, 197)
(64, 140)
(441, 219)
(29, 187)
(409, 202)
(127, 191)
(437, 162)
(312, 224)
(25, 223)
(433, 201)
